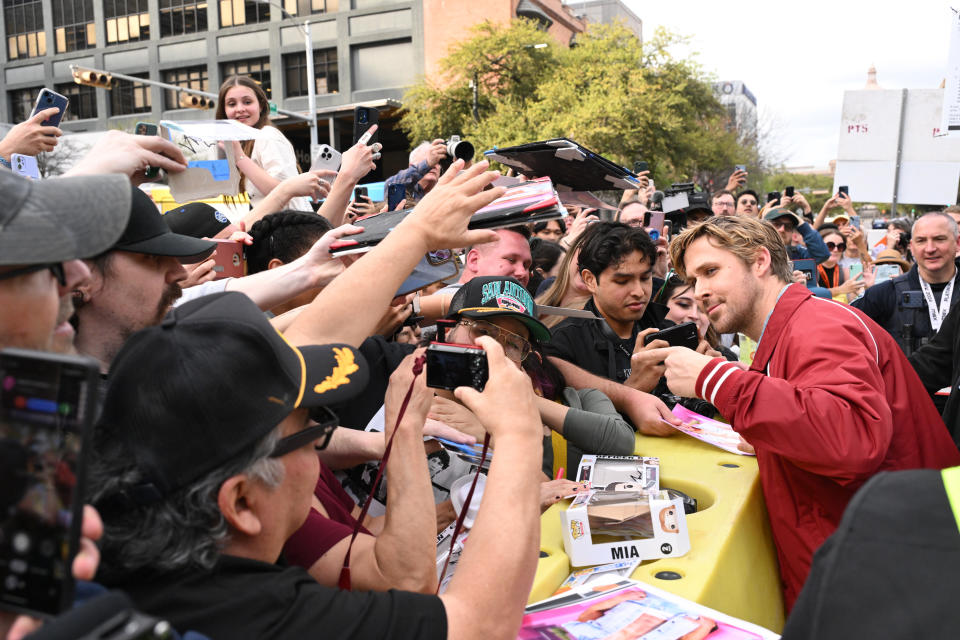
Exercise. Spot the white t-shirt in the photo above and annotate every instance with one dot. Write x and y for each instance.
(274, 153)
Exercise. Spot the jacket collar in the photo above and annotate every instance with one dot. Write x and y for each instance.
(783, 312)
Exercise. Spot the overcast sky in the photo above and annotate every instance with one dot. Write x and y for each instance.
(799, 57)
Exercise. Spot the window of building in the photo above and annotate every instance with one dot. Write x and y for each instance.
(256, 68)
(382, 65)
(234, 13)
(189, 77)
(178, 17)
(127, 20)
(83, 100)
(306, 7)
(129, 97)
(23, 21)
(324, 70)
(73, 26)
(22, 102)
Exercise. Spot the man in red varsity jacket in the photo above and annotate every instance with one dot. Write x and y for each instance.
(829, 400)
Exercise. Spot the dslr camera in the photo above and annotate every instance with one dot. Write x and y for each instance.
(458, 149)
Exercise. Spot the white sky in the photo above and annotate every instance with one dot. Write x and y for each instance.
(798, 58)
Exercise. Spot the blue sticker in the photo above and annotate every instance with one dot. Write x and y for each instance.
(220, 217)
(219, 169)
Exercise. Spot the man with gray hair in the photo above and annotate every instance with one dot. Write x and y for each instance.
(424, 170)
(911, 307)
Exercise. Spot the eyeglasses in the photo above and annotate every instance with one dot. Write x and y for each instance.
(515, 347)
(326, 421)
(724, 204)
(784, 224)
(56, 268)
(833, 246)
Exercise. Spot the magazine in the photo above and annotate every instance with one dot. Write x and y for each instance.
(631, 609)
(719, 434)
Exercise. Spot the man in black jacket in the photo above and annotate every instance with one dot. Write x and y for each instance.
(911, 307)
(616, 264)
(938, 365)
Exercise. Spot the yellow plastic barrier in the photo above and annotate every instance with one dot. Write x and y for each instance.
(732, 564)
(161, 195)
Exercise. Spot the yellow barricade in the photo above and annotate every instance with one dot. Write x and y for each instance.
(732, 564)
(161, 196)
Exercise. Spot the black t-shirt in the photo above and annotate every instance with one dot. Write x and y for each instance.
(244, 598)
(936, 288)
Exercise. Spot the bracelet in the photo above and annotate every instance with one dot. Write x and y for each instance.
(5, 163)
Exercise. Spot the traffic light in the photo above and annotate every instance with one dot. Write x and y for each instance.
(188, 101)
(92, 78)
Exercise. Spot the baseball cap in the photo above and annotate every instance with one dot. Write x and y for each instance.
(147, 233)
(838, 219)
(211, 381)
(780, 212)
(491, 296)
(61, 218)
(197, 220)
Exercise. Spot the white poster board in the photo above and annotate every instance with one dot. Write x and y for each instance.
(867, 153)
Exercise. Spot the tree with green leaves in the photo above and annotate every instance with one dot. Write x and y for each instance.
(512, 84)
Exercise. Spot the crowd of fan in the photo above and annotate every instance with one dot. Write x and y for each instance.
(228, 404)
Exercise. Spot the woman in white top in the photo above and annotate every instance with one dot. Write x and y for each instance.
(268, 160)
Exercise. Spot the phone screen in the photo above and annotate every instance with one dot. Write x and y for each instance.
(886, 272)
(46, 408)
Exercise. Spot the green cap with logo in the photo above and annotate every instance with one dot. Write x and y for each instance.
(491, 296)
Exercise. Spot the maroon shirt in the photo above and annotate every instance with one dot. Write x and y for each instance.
(319, 533)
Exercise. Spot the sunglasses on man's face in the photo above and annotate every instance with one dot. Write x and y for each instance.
(436, 258)
(326, 421)
(833, 246)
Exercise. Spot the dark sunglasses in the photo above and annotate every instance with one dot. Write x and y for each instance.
(326, 421)
(56, 268)
(833, 246)
(436, 258)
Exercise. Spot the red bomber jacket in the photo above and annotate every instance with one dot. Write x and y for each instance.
(829, 401)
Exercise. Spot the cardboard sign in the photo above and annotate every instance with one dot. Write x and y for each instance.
(211, 167)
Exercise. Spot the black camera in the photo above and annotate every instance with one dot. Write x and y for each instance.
(459, 149)
(452, 365)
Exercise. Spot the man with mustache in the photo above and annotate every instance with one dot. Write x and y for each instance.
(134, 283)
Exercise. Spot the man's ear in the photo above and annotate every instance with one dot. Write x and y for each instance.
(589, 280)
(274, 263)
(473, 257)
(237, 504)
(762, 262)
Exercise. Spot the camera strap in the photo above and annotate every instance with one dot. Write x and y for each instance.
(464, 510)
(344, 581)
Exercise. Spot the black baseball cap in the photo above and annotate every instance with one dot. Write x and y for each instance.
(197, 220)
(211, 381)
(147, 233)
(781, 212)
(61, 218)
(490, 296)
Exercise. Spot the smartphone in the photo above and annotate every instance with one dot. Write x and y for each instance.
(640, 165)
(845, 190)
(25, 166)
(855, 221)
(148, 129)
(47, 99)
(363, 119)
(740, 167)
(809, 268)
(654, 222)
(681, 335)
(327, 158)
(885, 272)
(856, 269)
(47, 406)
(788, 192)
(229, 262)
(455, 365)
(359, 192)
(773, 196)
(396, 193)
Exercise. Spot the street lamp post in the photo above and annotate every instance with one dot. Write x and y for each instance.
(304, 28)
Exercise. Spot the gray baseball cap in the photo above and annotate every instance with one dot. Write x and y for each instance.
(61, 218)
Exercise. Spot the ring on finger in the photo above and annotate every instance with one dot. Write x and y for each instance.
(375, 156)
